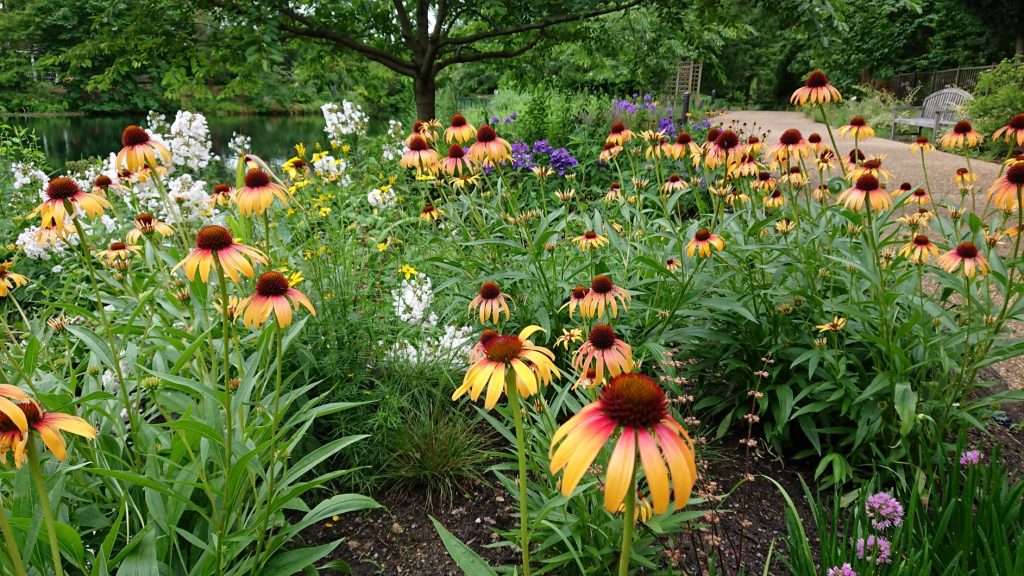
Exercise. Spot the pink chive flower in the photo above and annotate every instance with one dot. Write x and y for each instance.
(844, 570)
(970, 458)
(884, 511)
(874, 548)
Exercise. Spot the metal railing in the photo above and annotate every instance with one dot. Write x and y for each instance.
(918, 85)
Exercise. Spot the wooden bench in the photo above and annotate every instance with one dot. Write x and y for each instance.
(939, 109)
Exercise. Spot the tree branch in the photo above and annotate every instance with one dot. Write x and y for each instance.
(403, 22)
(542, 24)
(478, 56)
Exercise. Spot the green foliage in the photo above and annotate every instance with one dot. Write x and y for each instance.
(872, 104)
(998, 97)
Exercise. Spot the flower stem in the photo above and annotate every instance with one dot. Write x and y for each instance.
(44, 503)
(835, 148)
(511, 388)
(228, 400)
(627, 526)
(274, 423)
(12, 545)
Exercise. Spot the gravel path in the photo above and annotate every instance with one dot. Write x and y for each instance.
(905, 166)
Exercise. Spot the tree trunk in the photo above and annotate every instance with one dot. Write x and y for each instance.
(425, 91)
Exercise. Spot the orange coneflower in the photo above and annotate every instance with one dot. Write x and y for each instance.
(139, 150)
(419, 155)
(785, 226)
(744, 165)
(479, 350)
(463, 181)
(725, 148)
(101, 184)
(576, 298)
(817, 90)
(963, 135)
(857, 128)
(606, 351)
(866, 188)
(608, 151)
(491, 303)
(635, 406)
(853, 159)
(1005, 191)
(9, 280)
(872, 166)
(765, 181)
(603, 292)
(702, 242)
(15, 423)
(221, 194)
(684, 146)
(489, 148)
(117, 251)
(657, 146)
(709, 139)
(922, 144)
(837, 324)
(814, 140)
(674, 184)
(614, 192)
(456, 163)
(919, 250)
(258, 193)
(64, 189)
(1013, 131)
(736, 196)
(825, 158)
(774, 199)
(145, 225)
(795, 176)
(589, 239)
(48, 425)
(791, 144)
(430, 213)
(50, 234)
(919, 196)
(533, 365)
(273, 294)
(964, 177)
(753, 145)
(968, 255)
(459, 130)
(216, 245)
(619, 134)
(426, 129)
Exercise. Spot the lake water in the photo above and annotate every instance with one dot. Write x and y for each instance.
(74, 138)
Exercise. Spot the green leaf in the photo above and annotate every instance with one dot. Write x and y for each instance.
(906, 406)
(93, 342)
(297, 560)
(469, 561)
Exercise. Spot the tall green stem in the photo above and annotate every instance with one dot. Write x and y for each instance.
(835, 148)
(274, 423)
(627, 525)
(12, 545)
(44, 503)
(228, 401)
(512, 390)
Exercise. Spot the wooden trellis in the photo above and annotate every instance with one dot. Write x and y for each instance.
(688, 77)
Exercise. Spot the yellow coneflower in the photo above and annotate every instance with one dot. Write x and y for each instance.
(533, 365)
(1012, 132)
(702, 243)
(816, 90)
(857, 128)
(774, 199)
(964, 177)
(491, 303)
(795, 176)
(215, 244)
(139, 150)
(9, 280)
(258, 193)
(837, 324)
(1004, 192)
(865, 189)
(542, 172)
(791, 145)
(101, 184)
(614, 192)
(963, 135)
(565, 195)
(765, 181)
(479, 350)
(815, 142)
(608, 151)
(725, 148)
(640, 184)
(569, 337)
(489, 148)
(459, 130)
(917, 219)
(13, 423)
(674, 184)
(736, 196)
(922, 144)
(821, 193)
(47, 425)
(872, 166)
(456, 163)
(785, 226)
(657, 144)
(609, 355)
(430, 213)
(464, 181)
(273, 294)
(603, 292)
(220, 195)
(61, 190)
(426, 128)
(145, 225)
(684, 146)
(673, 264)
(619, 134)
(919, 250)
(590, 239)
(753, 146)
(744, 165)
(296, 168)
(419, 155)
(117, 251)
(968, 255)
(634, 406)
(576, 298)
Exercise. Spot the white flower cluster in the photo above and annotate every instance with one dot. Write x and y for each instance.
(239, 144)
(189, 140)
(28, 242)
(156, 123)
(189, 196)
(330, 168)
(348, 120)
(412, 300)
(452, 348)
(393, 150)
(26, 174)
(383, 197)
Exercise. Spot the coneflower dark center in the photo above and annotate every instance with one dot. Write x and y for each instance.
(102, 181)
(967, 250)
(62, 188)
(727, 140)
(817, 79)
(713, 134)
(702, 235)
(489, 290)
(873, 164)
(418, 144)
(922, 240)
(674, 178)
(814, 138)
(456, 151)
(486, 134)
(867, 183)
(602, 284)
(487, 336)
(117, 246)
(503, 348)
(134, 136)
(458, 121)
(590, 235)
(683, 138)
(791, 137)
(858, 121)
(602, 337)
(214, 237)
(922, 139)
(1015, 173)
(618, 127)
(634, 401)
(256, 178)
(219, 189)
(962, 127)
(272, 284)
(579, 292)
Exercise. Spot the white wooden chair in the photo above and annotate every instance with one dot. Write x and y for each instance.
(939, 109)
